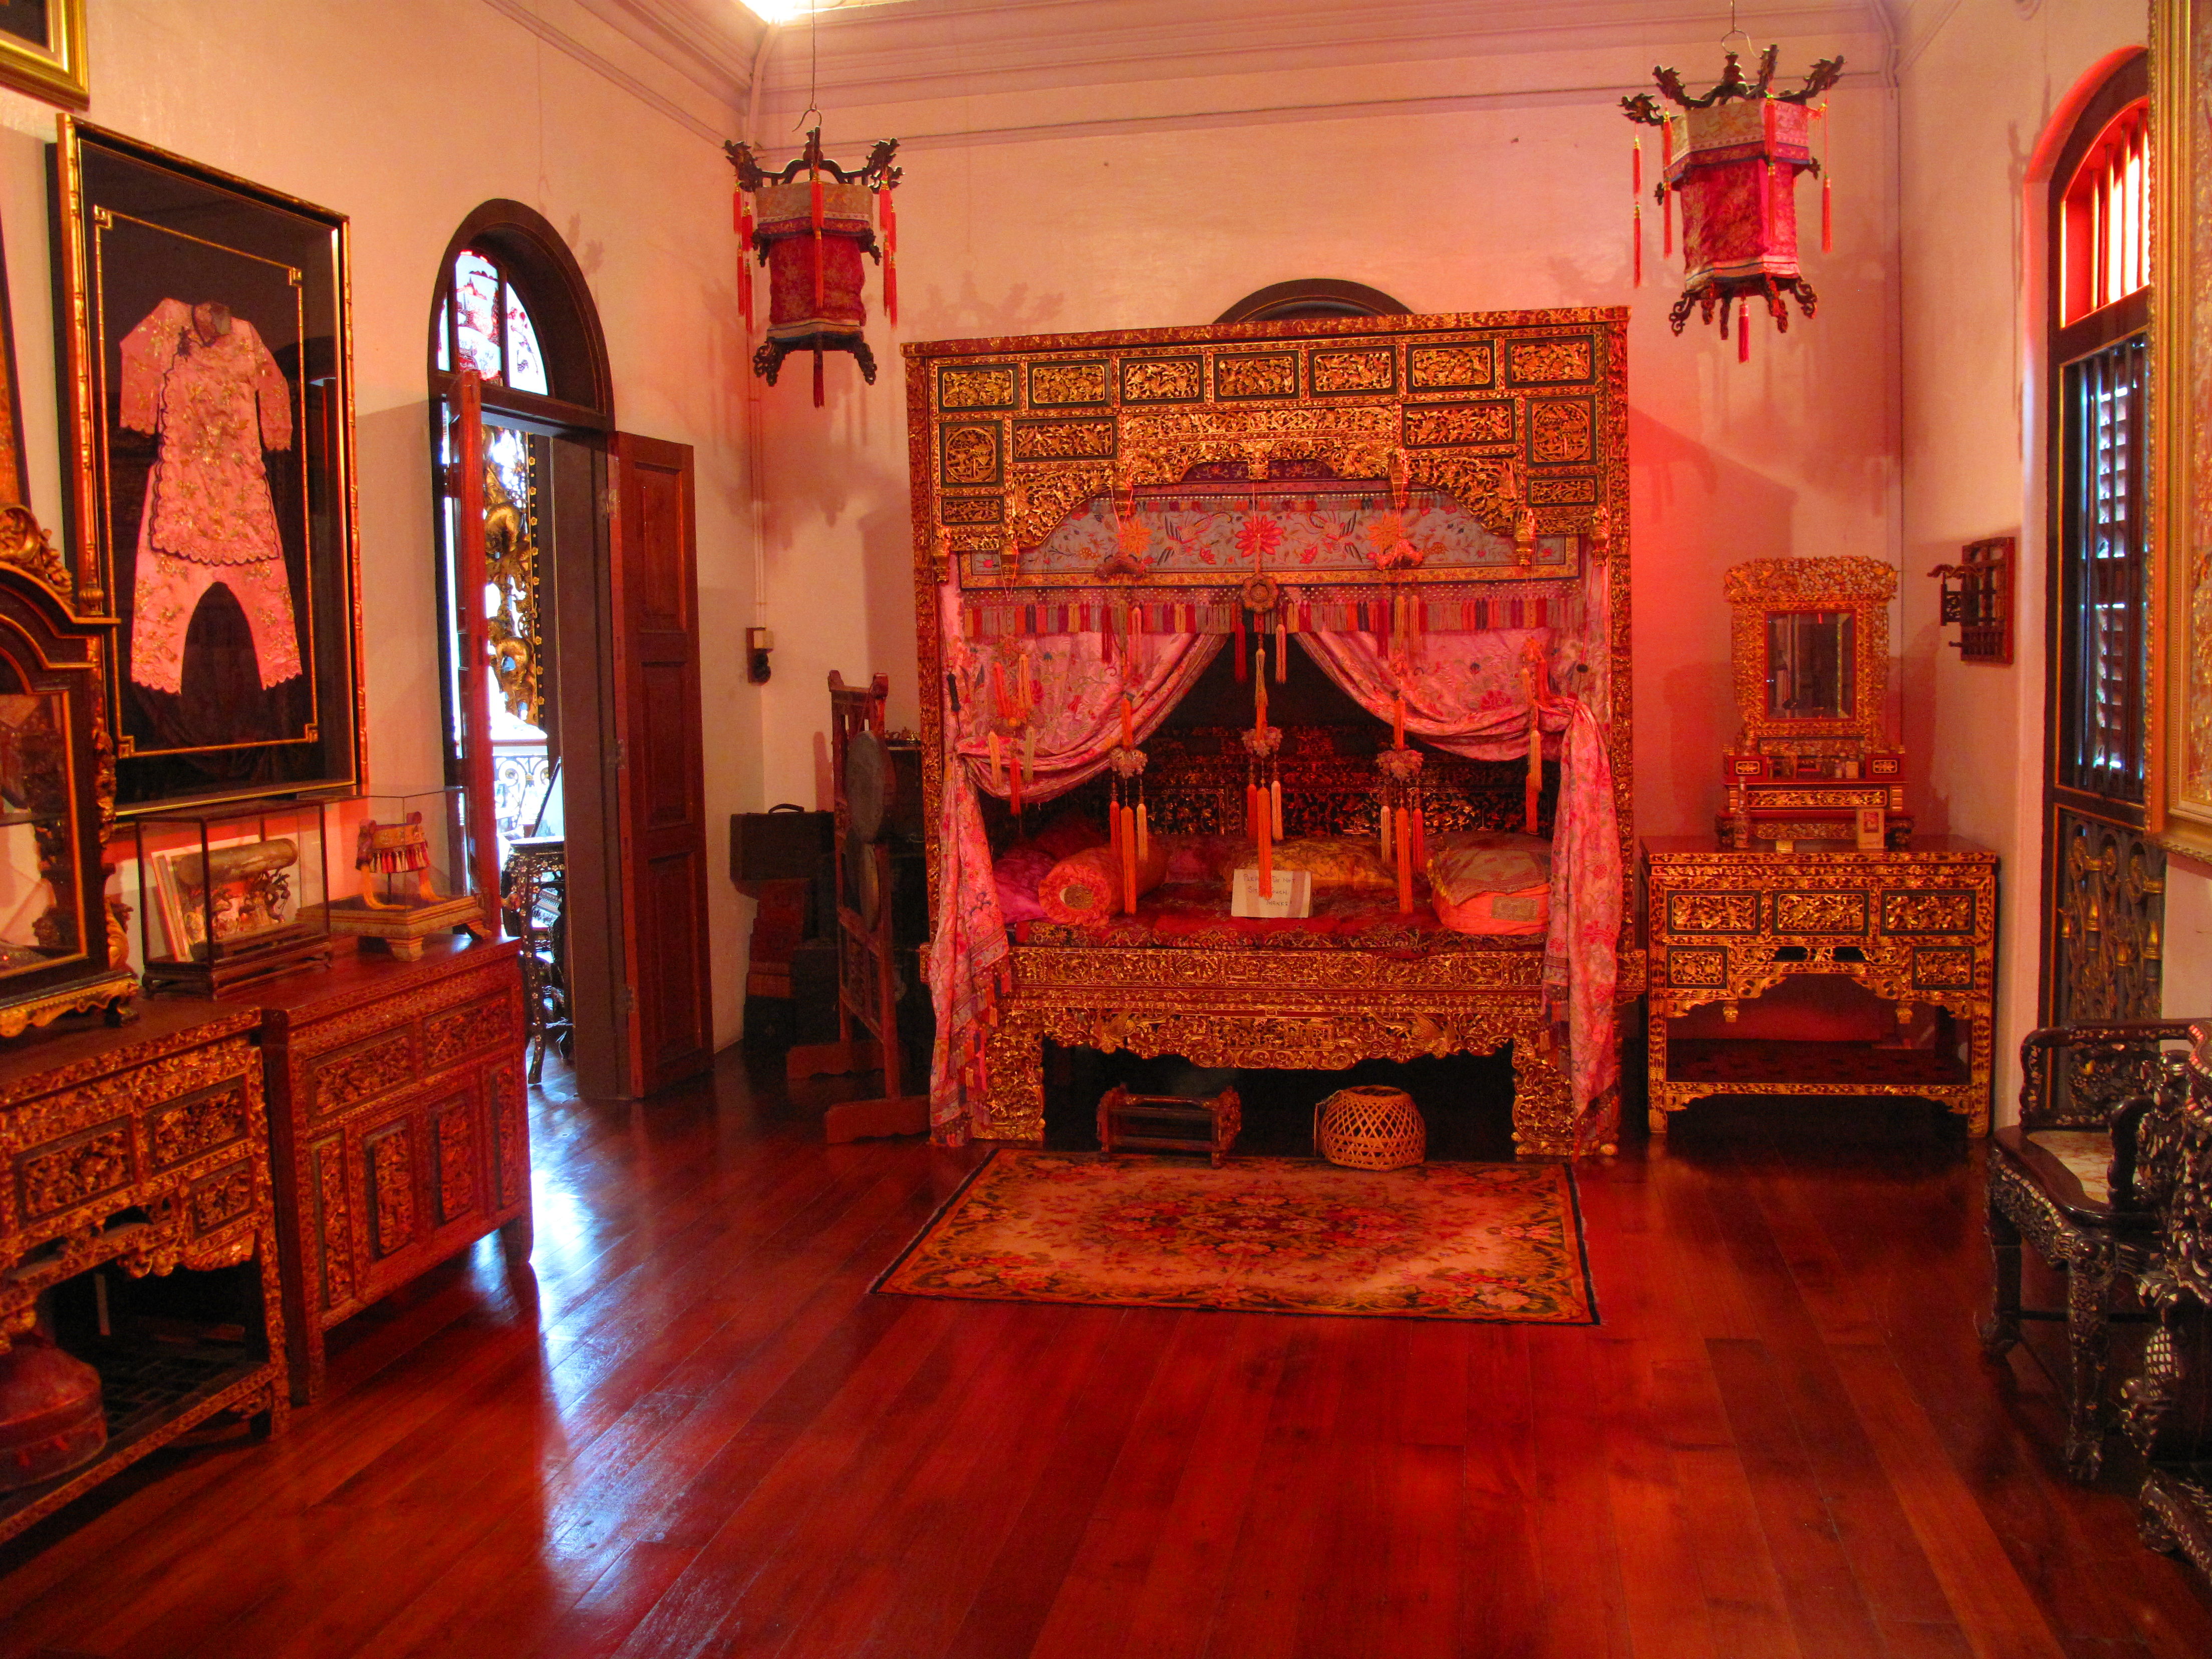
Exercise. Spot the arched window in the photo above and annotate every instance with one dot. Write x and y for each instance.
(2101, 951)
(486, 325)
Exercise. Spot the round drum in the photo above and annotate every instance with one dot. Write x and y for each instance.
(1368, 1127)
(870, 786)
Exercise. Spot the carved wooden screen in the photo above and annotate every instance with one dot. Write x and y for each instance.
(1510, 426)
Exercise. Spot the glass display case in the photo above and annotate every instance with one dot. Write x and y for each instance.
(231, 895)
(409, 877)
(58, 952)
(1810, 643)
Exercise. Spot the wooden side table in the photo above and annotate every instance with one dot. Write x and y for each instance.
(143, 1149)
(399, 1126)
(1915, 926)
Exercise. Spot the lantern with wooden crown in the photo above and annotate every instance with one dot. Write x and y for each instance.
(815, 222)
(1733, 155)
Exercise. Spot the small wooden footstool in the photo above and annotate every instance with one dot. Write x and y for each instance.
(1169, 1123)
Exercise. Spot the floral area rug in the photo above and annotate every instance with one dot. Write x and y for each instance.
(1266, 1235)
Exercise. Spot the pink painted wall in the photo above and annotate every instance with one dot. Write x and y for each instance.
(405, 116)
(1979, 91)
(1139, 203)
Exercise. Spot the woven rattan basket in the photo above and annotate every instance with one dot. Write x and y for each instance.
(1368, 1126)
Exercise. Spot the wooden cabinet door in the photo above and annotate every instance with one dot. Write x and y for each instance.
(661, 789)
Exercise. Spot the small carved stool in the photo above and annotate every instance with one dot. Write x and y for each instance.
(1169, 1123)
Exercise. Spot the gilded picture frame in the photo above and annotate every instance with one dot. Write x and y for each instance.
(42, 50)
(208, 401)
(2180, 796)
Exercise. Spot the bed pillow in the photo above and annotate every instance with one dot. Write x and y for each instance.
(1465, 862)
(1087, 889)
(1019, 872)
(1508, 915)
(1337, 862)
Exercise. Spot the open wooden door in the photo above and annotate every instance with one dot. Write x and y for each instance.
(660, 784)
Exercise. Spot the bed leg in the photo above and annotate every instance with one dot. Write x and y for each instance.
(1543, 1106)
(1657, 1119)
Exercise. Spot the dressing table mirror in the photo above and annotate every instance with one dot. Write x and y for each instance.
(59, 954)
(1809, 644)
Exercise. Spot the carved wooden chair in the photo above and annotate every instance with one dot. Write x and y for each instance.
(2062, 1179)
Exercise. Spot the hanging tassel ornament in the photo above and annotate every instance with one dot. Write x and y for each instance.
(1264, 789)
(1827, 196)
(1533, 670)
(1132, 840)
(742, 203)
(891, 254)
(1636, 200)
(1666, 191)
(1401, 771)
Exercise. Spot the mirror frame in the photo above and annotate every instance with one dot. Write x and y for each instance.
(1762, 588)
(55, 653)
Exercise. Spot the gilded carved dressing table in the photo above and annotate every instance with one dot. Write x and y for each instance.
(1814, 946)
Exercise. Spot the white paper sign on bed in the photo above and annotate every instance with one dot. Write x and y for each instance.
(1293, 895)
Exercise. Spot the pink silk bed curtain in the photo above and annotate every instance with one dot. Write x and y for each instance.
(1076, 722)
(1457, 698)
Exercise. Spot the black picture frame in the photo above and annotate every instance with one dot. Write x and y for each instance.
(207, 397)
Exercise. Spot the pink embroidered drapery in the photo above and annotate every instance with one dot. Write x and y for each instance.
(1076, 723)
(1460, 696)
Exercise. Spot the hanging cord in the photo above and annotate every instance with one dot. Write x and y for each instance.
(814, 65)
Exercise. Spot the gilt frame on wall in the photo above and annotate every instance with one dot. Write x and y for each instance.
(207, 397)
(2179, 793)
(42, 50)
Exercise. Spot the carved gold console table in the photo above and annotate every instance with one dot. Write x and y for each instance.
(1916, 926)
(131, 1154)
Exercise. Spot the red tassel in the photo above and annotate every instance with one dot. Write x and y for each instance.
(1636, 170)
(1827, 217)
(817, 379)
(1240, 645)
(890, 258)
(1639, 245)
(1743, 336)
(744, 260)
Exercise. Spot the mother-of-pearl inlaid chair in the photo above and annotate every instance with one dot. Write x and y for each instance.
(2063, 1180)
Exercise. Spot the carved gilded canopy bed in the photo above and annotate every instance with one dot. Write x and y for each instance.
(1433, 510)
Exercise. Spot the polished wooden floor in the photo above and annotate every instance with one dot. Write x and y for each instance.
(697, 1433)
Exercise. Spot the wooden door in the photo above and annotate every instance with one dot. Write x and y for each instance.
(667, 994)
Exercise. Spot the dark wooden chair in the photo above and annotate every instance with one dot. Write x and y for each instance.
(2063, 1180)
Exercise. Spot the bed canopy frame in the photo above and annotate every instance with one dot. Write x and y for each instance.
(1459, 481)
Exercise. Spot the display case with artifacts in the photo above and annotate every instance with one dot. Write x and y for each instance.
(60, 953)
(233, 895)
(1809, 640)
(405, 859)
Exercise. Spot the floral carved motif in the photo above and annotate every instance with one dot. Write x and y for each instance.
(971, 455)
(457, 1183)
(1366, 370)
(336, 1219)
(222, 1198)
(1453, 367)
(1256, 376)
(511, 1131)
(1561, 430)
(391, 1158)
(1820, 913)
(1431, 426)
(1061, 385)
(463, 1030)
(1699, 967)
(1927, 912)
(347, 1079)
(1532, 363)
(1712, 912)
(971, 509)
(1562, 492)
(990, 387)
(1162, 379)
(190, 1127)
(1943, 967)
(1063, 440)
(98, 1164)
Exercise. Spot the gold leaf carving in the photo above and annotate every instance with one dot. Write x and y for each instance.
(1433, 425)
(1452, 368)
(1162, 379)
(1530, 362)
(1559, 430)
(971, 455)
(1927, 912)
(1365, 370)
(970, 509)
(1820, 913)
(987, 386)
(1063, 440)
(1255, 374)
(1060, 385)
(1712, 912)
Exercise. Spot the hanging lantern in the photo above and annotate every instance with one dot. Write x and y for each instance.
(1733, 156)
(811, 225)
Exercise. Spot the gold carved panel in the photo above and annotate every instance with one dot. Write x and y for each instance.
(1337, 371)
(1820, 913)
(976, 386)
(1551, 363)
(346, 1078)
(1469, 368)
(334, 1217)
(1064, 441)
(390, 1160)
(1927, 912)
(222, 1198)
(1162, 379)
(1068, 386)
(1561, 431)
(971, 509)
(58, 1178)
(1255, 375)
(1697, 966)
(199, 1124)
(971, 455)
(488, 1022)
(1712, 912)
(1435, 426)
(1943, 967)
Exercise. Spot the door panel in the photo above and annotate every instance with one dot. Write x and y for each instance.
(661, 789)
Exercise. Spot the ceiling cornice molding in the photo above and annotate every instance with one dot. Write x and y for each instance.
(923, 49)
(522, 13)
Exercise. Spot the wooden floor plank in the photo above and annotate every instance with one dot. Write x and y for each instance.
(693, 1429)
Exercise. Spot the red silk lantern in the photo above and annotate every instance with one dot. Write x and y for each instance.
(1733, 155)
(816, 224)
